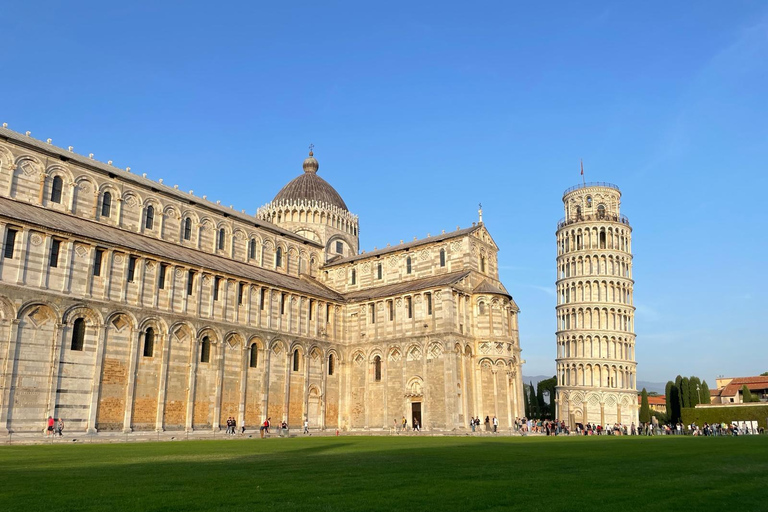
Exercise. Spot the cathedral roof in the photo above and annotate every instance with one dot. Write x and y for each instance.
(487, 286)
(62, 222)
(310, 187)
(110, 170)
(400, 247)
(407, 286)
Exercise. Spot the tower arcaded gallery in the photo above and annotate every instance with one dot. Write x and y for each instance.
(596, 369)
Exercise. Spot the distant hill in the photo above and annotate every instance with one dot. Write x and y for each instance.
(658, 387)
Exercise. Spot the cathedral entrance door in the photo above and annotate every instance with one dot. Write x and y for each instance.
(416, 414)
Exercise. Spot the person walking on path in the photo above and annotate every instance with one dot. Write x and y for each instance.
(416, 427)
(60, 428)
(472, 423)
(49, 430)
(306, 426)
(495, 425)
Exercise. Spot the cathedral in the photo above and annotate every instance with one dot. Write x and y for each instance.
(130, 305)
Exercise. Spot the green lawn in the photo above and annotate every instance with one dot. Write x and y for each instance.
(391, 473)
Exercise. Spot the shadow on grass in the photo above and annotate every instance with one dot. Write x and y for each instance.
(387, 473)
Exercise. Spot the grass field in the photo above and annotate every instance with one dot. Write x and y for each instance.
(391, 473)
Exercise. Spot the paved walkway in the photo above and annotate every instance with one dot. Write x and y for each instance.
(138, 437)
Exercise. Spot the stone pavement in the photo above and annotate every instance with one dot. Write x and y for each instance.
(27, 438)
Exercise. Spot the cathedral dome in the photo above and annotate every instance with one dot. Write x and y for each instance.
(310, 187)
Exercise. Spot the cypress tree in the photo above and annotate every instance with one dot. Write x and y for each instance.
(685, 393)
(706, 397)
(645, 409)
(694, 391)
(526, 401)
(746, 394)
(675, 395)
(534, 402)
(668, 397)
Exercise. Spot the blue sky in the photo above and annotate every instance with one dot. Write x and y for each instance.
(420, 110)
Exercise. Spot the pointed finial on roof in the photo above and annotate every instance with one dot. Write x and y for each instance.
(310, 164)
(480, 212)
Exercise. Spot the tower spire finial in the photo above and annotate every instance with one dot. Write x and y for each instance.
(311, 147)
(480, 212)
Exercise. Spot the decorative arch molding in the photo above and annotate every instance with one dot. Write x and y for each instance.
(414, 387)
(57, 169)
(155, 202)
(82, 311)
(277, 345)
(182, 331)
(172, 212)
(28, 164)
(316, 352)
(485, 362)
(6, 157)
(108, 186)
(122, 319)
(131, 198)
(298, 345)
(375, 351)
(82, 182)
(358, 357)
(157, 323)
(29, 308)
(338, 236)
(7, 309)
(191, 214)
(336, 355)
(213, 334)
(255, 340)
(234, 340)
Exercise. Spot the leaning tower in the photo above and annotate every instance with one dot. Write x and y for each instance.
(596, 367)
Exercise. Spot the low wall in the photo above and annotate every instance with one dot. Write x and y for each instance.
(726, 414)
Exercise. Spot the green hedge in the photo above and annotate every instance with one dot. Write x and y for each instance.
(726, 414)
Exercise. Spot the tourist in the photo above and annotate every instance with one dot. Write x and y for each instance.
(487, 424)
(60, 428)
(405, 424)
(234, 426)
(472, 423)
(495, 425)
(416, 427)
(49, 430)
(306, 426)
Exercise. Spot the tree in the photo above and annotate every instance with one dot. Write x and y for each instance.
(746, 394)
(706, 397)
(764, 374)
(685, 392)
(645, 409)
(547, 386)
(679, 399)
(533, 401)
(668, 397)
(694, 389)
(675, 411)
(526, 402)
